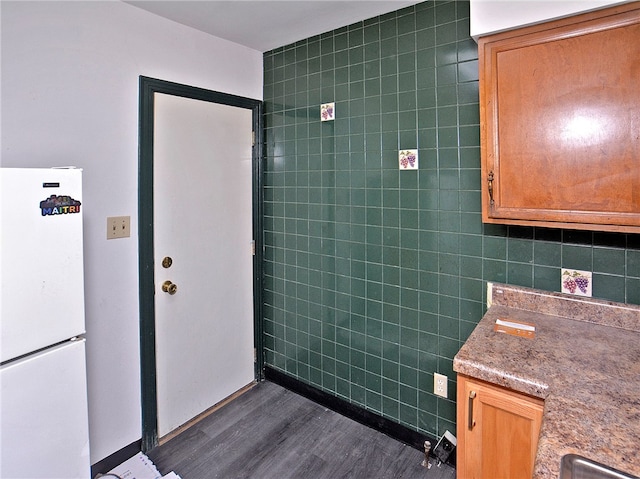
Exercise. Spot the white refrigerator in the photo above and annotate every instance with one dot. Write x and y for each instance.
(44, 431)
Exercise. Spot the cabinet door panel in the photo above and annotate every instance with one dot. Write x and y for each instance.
(503, 440)
(560, 114)
(504, 434)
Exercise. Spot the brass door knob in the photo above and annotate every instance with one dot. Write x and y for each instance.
(169, 287)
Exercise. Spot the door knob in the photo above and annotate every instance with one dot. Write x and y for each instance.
(169, 287)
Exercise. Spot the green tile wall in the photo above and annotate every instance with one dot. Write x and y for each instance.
(374, 277)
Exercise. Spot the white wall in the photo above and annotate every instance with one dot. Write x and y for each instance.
(492, 16)
(69, 96)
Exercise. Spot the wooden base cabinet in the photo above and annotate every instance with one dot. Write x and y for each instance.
(497, 431)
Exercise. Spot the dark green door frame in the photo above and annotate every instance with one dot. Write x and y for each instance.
(149, 86)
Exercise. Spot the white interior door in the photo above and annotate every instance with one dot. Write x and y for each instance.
(203, 222)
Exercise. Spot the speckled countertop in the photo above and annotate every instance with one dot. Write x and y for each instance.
(584, 362)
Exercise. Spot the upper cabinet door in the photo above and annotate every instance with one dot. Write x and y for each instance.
(560, 123)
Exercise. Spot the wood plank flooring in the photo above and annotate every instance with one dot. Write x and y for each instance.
(272, 433)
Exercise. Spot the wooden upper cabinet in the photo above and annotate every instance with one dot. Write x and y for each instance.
(560, 122)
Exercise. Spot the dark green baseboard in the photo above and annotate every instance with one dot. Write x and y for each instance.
(390, 428)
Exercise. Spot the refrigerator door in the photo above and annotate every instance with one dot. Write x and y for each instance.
(41, 269)
(43, 411)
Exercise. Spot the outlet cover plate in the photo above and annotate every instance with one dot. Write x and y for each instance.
(440, 385)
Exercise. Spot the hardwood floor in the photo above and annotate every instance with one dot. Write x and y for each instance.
(271, 432)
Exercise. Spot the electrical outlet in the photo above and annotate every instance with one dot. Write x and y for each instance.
(440, 385)
(118, 227)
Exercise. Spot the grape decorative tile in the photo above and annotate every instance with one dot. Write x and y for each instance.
(327, 111)
(408, 159)
(576, 282)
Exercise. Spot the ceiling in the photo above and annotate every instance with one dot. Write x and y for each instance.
(267, 24)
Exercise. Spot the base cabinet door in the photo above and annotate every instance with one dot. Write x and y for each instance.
(497, 431)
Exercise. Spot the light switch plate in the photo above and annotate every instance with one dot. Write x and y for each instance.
(118, 227)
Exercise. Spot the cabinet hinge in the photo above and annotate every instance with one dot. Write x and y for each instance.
(253, 247)
(253, 138)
